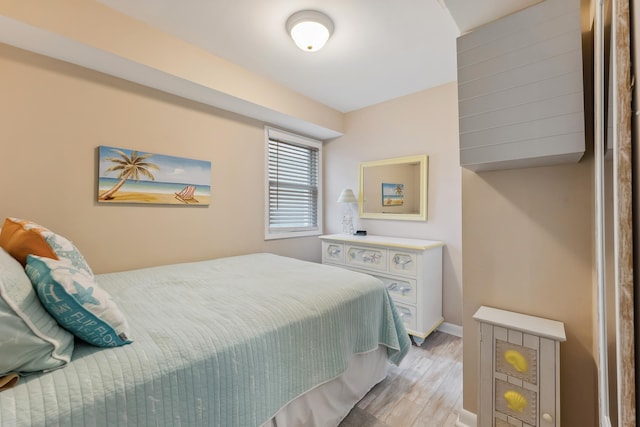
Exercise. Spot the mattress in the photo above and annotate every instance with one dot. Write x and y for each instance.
(226, 342)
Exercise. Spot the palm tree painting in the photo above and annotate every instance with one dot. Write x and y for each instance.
(392, 194)
(132, 176)
(129, 166)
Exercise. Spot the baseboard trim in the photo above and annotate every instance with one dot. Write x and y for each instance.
(451, 329)
(467, 419)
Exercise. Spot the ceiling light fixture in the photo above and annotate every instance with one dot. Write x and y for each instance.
(309, 29)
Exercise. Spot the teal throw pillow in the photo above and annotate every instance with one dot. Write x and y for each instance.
(77, 302)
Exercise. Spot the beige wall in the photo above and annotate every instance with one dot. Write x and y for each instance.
(422, 123)
(107, 35)
(528, 238)
(54, 115)
(528, 245)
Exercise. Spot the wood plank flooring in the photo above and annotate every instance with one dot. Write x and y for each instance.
(424, 391)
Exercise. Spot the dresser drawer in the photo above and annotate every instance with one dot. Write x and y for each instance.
(408, 315)
(366, 257)
(404, 263)
(333, 252)
(402, 290)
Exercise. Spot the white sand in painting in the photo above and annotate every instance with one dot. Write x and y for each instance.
(160, 198)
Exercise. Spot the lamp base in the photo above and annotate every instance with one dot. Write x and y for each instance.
(347, 224)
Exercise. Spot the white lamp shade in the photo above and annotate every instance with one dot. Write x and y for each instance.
(309, 29)
(347, 196)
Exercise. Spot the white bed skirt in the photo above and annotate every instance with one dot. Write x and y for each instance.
(327, 404)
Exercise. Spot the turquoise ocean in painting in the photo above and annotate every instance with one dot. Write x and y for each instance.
(151, 186)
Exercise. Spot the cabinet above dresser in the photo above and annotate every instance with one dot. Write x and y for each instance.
(411, 269)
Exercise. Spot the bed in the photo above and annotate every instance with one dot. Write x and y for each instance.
(252, 340)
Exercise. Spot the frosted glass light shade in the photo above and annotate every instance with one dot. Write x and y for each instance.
(347, 196)
(309, 29)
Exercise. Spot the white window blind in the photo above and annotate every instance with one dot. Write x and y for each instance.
(293, 189)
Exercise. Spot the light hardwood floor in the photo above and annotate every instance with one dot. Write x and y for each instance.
(424, 391)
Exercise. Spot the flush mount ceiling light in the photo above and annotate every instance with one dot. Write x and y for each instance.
(309, 29)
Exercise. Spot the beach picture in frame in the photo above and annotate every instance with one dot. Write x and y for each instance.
(132, 176)
(392, 194)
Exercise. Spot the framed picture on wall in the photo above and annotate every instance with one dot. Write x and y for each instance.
(392, 194)
(132, 176)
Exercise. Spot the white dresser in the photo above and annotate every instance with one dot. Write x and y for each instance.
(519, 369)
(410, 268)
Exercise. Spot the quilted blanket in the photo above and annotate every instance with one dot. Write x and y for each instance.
(226, 342)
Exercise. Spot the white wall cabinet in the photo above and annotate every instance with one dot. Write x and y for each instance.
(411, 269)
(519, 369)
(520, 89)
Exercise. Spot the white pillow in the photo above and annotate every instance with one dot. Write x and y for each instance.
(30, 339)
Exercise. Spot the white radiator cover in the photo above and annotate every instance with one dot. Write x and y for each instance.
(520, 89)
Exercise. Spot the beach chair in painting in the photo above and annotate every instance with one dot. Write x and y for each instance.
(186, 195)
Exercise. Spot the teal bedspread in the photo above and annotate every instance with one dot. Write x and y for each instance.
(225, 342)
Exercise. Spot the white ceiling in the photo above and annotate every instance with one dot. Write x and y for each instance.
(380, 49)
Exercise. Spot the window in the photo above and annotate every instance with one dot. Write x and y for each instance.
(293, 201)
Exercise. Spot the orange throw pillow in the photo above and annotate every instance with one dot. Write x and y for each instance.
(21, 238)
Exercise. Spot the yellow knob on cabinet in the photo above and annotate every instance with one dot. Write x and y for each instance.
(515, 401)
(517, 360)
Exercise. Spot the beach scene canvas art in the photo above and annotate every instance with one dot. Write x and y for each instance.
(392, 194)
(132, 176)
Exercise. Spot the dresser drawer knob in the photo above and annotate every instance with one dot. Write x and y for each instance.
(402, 260)
(405, 315)
(548, 418)
(396, 287)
